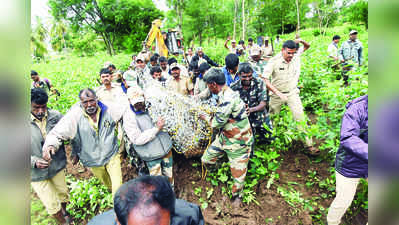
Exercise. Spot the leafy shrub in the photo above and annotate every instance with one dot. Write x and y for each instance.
(316, 32)
(88, 198)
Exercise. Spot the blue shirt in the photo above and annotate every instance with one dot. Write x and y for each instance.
(229, 78)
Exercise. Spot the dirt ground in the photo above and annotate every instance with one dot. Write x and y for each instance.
(272, 208)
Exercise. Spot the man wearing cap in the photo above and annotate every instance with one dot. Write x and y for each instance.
(93, 125)
(150, 143)
(183, 69)
(235, 137)
(233, 48)
(201, 58)
(350, 53)
(267, 50)
(281, 76)
(131, 76)
(177, 83)
(257, 64)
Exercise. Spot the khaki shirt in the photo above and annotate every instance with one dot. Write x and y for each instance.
(249, 49)
(233, 50)
(267, 52)
(115, 94)
(283, 75)
(41, 124)
(183, 86)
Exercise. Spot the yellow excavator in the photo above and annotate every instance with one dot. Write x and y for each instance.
(155, 33)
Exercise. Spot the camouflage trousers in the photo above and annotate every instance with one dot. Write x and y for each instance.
(238, 156)
(162, 167)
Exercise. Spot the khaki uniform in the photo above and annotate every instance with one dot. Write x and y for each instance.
(233, 50)
(115, 94)
(267, 52)
(284, 77)
(249, 49)
(183, 86)
(53, 191)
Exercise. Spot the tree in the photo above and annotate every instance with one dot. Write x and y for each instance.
(57, 35)
(358, 13)
(110, 19)
(38, 39)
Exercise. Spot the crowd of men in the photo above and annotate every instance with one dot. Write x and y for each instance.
(112, 121)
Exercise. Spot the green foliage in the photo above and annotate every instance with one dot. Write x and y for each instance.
(113, 21)
(357, 13)
(72, 73)
(38, 213)
(37, 40)
(88, 198)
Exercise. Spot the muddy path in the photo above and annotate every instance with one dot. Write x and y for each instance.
(272, 208)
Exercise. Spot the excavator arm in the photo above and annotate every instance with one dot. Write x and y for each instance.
(155, 34)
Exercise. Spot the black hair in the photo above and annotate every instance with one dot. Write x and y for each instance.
(153, 58)
(112, 66)
(193, 65)
(250, 39)
(245, 68)
(204, 67)
(163, 59)
(215, 75)
(143, 191)
(231, 61)
(86, 91)
(241, 42)
(278, 36)
(105, 71)
(336, 37)
(155, 69)
(290, 44)
(32, 72)
(38, 96)
(156, 55)
(172, 60)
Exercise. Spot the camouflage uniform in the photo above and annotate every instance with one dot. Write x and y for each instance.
(162, 167)
(235, 138)
(253, 97)
(258, 66)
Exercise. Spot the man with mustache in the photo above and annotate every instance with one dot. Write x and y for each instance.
(252, 92)
(47, 178)
(94, 125)
(180, 84)
(109, 91)
(281, 76)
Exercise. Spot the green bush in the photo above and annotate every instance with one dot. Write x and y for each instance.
(88, 198)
